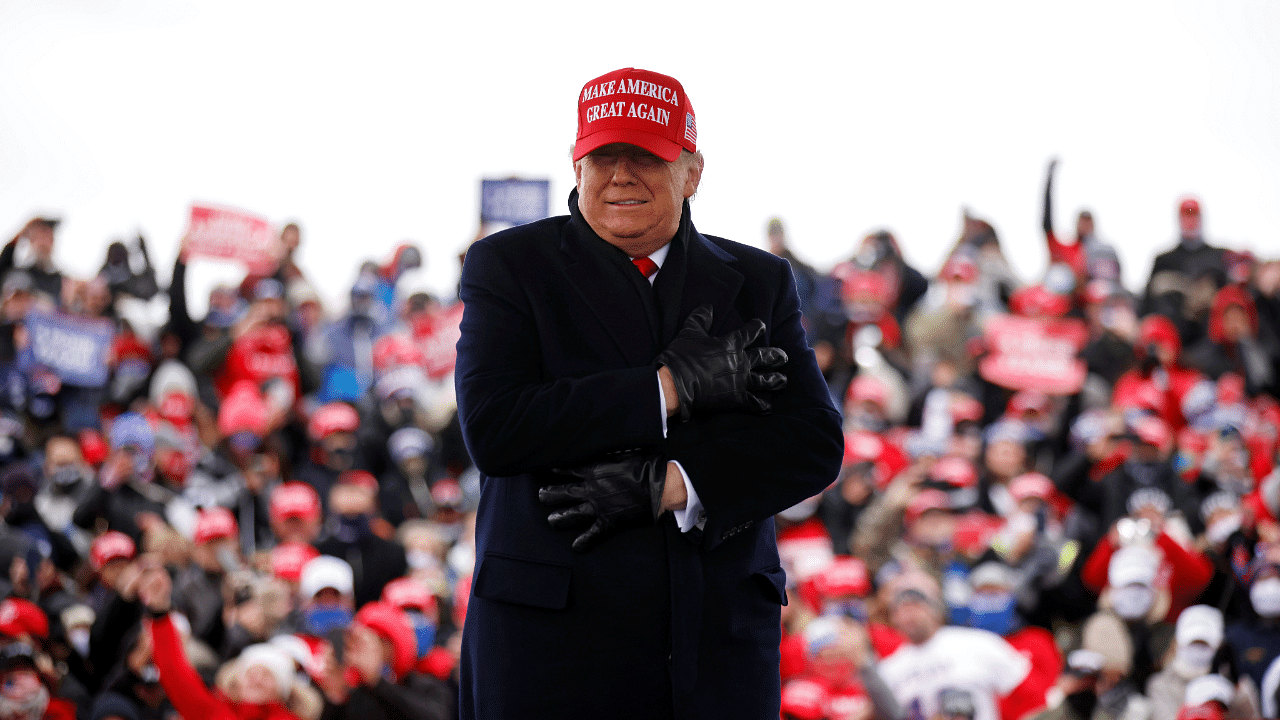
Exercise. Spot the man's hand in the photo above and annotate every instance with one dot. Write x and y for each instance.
(720, 373)
(624, 490)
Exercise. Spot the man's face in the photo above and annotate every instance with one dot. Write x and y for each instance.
(1084, 226)
(41, 239)
(1189, 224)
(917, 620)
(633, 198)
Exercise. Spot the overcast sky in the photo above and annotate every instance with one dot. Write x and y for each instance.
(373, 123)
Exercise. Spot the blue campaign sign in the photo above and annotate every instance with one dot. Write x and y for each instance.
(514, 201)
(74, 348)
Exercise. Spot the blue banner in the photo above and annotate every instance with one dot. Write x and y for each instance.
(74, 348)
(514, 201)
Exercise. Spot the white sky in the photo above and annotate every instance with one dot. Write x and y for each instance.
(374, 122)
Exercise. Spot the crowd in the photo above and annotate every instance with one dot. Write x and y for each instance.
(266, 512)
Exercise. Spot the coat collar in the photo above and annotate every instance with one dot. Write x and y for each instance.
(696, 272)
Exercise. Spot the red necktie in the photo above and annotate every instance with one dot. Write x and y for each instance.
(646, 266)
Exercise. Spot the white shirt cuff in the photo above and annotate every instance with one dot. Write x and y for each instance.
(662, 406)
(692, 515)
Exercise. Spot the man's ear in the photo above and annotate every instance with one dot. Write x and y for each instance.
(694, 177)
(577, 174)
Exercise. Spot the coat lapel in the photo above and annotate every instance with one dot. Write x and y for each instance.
(711, 280)
(603, 276)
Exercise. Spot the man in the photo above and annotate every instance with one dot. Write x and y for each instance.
(642, 584)
(375, 562)
(936, 658)
(45, 277)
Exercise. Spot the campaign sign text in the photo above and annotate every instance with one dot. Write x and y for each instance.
(514, 201)
(74, 348)
(1034, 354)
(232, 235)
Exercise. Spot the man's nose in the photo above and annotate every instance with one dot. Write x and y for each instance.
(624, 171)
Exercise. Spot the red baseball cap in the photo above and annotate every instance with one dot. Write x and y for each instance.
(1031, 485)
(214, 524)
(845, 576)
(332, 418)
(295, 499)
(20, 617)
(287, 560)
(409, 594)
(111, 545)
(638, 107)
(1189, 206)
(362, 479)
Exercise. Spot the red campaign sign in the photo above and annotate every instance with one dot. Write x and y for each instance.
(438, 341)
(228, 234)
(1035, 354)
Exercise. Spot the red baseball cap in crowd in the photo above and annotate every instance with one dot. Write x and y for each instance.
(110, 545)
(804, 699)
(295, 499)
(214, 524)
(362, 479)
(287, 560)
(1031, 485)
(93, 447)
(638, 107)
(331, 418)
(19, 617)
(1189, 206)
(409, 594)
(391, 624)
(846, 576)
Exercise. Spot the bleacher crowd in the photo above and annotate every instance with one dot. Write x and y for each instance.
(1059, 497)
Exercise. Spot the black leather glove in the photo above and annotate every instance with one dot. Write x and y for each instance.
(720, 373)
(624, 490)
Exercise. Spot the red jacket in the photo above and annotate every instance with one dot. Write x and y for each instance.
(1184, 573)
(1036, 644)
(187, 691)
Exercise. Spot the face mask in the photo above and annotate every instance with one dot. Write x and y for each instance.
(341, 458)
(1265, 596)
(66, 477)
(423, 630)
(1193, 659)
(854, 609)
(79, 639)
(1218, 532)
(323, 619)
(1082, 703)
(462, 559)
(1132, 602)
(993, 611)
(1145, 474)
(421, 560)
(351, 528)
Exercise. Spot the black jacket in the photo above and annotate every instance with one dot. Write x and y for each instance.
(555, 368)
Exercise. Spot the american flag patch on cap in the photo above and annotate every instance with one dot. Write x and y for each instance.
(690, 129)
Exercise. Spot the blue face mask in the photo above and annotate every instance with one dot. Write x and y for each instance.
(324, 619)
(351, 528)
(854, 609)
(424, 630)
(993, 611)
